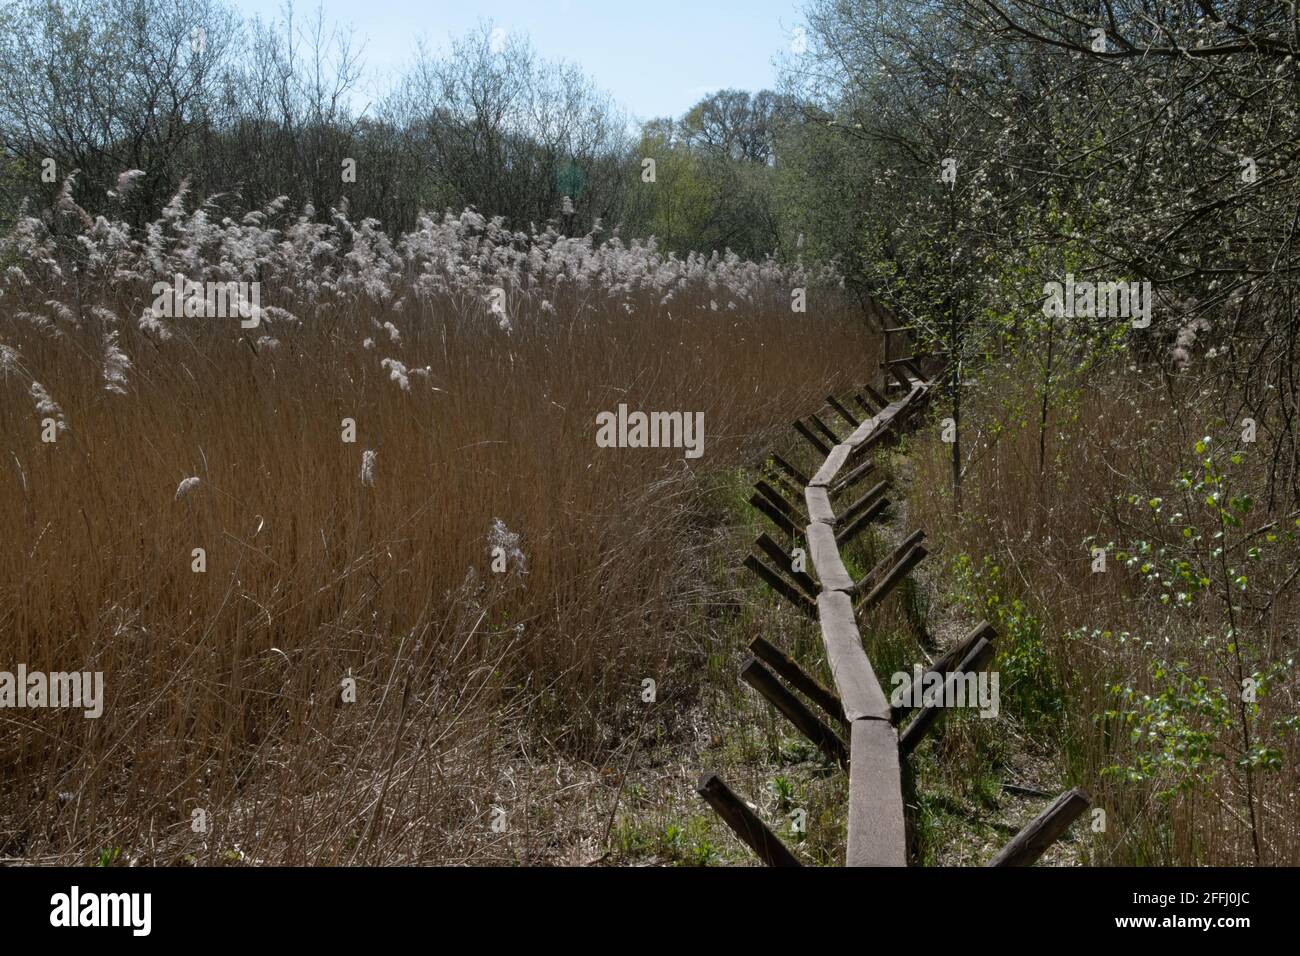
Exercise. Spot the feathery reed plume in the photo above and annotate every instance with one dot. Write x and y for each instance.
(185, 487)
(499, 536)
(47, 406)
(152, 325)
(126, 181)
(398, 373)
(116, 365)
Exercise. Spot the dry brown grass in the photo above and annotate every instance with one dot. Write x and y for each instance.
(223, 688)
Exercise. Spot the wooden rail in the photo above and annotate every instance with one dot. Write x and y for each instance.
(857, 707)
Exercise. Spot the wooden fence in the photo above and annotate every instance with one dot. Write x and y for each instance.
(857, 710)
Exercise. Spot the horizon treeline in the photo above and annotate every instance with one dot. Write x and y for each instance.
(249, 110)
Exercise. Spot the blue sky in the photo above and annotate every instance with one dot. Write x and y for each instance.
(656, 57)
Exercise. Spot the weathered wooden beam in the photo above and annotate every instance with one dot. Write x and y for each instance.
(781, 586)
(773, 515)
(783, 560)
(983, 631)
(826, 557)
(783, 484)
(825, 430)
(881, 425)
(868, 428)
(865, 405)
(1031, 842)
(812, 439)
(876, 397)
(855, 509)
(789, 469)
(911, 365)
(796, 711)
(877, 831)
(778, 501)
(853, 477)
(847, 534)
(843, 412)
(856, 682)
(914, 403)
(780, 662)
(946, 662)
(831, 466)
(889, 561)
(743, 822)
(915, 732)
(818, 501)
(901, 377)
(886, 432)
(899, 328)
(891, 578)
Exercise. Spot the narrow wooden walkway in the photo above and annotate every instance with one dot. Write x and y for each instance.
(857, 707)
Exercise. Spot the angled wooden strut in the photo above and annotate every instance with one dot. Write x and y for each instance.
(825, 430)
(799, 477)
(957, 653)
(812, 439)
(782, 587)
(799, 679)
(843, 412)
(787, 489)
(791, 511)
(912, 365)
(743, 822)
(864, 502)
(864, 403)
(796, 711)
(782, 560)
(915, 732)
(900, 377)
(948, 661)
(854, 528)
(876, 397)
(783, 483)
(888, 562)
(777, 518)
(891, 578)
(853, 477)
(1031, 842)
